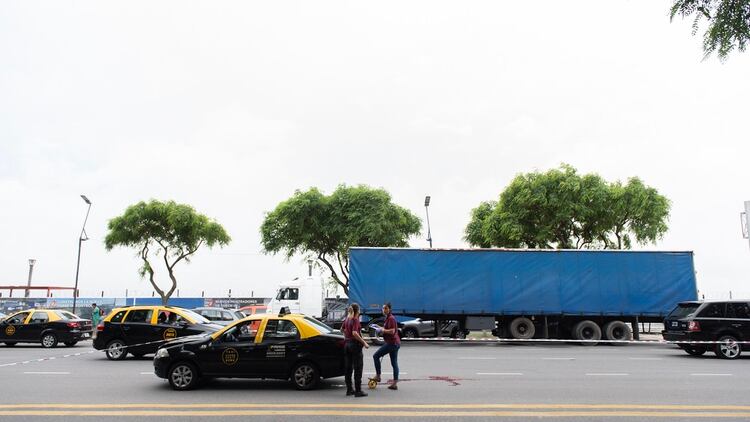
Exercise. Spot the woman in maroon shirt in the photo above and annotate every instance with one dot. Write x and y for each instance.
(391, 346)
(353, 352)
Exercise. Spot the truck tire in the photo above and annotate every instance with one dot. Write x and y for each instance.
(522, 328)
(617, 330)
(587, 330)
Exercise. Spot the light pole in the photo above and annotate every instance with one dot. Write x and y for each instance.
(83, 237)
(427, 210)
(31, 270)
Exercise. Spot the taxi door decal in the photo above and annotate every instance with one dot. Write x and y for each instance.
(276, 351)
(169, 334)
(230, 356)
(10, 330)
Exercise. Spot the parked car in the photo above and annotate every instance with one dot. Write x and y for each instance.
(253, 309)
(140, 330)
(219, 315)
(418, 328)
(45, 326)
(724, 322)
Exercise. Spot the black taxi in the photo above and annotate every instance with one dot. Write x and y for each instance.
(45, 326)
(140, 330)
(284, 346)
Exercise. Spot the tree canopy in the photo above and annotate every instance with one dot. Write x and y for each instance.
(565, 210)
(164, 230)
(728, 23)
(325, 227)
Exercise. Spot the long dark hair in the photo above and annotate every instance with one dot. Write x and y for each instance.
(353, 310)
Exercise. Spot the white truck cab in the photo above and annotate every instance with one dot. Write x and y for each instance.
(301, 296)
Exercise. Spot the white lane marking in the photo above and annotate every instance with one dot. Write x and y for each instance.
(47, 373)
(499, 373)
(645, 358)
(711, 375)
(558, 358)
(476, 358)
(610, 374)
(8, 364)
(147, 373)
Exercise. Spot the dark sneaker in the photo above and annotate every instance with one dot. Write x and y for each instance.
(360, 394)
(393, 387)
(349, 392)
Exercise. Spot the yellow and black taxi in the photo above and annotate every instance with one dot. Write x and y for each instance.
(284, 346)
(140, 330)
(46, 326)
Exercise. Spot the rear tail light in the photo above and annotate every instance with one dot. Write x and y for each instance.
(100, 327)
(694, 326)
(74, 325)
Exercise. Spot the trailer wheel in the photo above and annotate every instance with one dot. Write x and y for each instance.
(587, 330)
(617, 330)
(522, 328)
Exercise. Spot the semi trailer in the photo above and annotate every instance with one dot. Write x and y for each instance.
(523, 293)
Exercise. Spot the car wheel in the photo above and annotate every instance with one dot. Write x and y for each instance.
(728, 348)
(522, 328)
(305, 376)
(695, 351)
(410, 333)
(10, 343)
(459, 334)
(116, 350)
(183, 376)
(587, 330)
(49, 340)
(71, 343)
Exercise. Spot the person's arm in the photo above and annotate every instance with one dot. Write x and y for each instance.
(358, 337)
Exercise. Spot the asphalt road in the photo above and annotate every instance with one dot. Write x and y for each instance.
(446, 381)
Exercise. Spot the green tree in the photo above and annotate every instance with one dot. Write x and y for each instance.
(164, 230)
(564, 210)
(728, 23)
(325, 227)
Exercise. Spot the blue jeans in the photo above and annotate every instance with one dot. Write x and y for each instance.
(390, 350)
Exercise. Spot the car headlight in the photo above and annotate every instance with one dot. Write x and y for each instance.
(162, 353)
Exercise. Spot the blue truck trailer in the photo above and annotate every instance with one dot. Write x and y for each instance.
(522, 293)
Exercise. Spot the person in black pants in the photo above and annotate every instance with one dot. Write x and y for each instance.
(353, 351)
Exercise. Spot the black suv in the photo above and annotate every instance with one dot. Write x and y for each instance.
(724, 322)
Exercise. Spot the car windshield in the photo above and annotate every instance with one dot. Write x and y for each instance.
(683, 310)
(324, 329)
(198, 318)
(65, 315)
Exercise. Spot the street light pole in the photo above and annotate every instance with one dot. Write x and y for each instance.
(427, 210)
(31, 270)
(83, 237)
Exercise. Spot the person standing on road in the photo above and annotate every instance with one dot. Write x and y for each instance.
(96, 316)
(353, 351)
(391, 346)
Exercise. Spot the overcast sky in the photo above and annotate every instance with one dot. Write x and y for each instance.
(231, 106)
